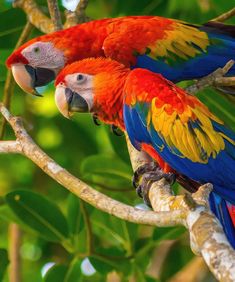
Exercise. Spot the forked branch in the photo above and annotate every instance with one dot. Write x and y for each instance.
(206, 234)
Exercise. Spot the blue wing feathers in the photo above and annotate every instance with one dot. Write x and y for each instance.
(220, 170)
(220, 208)
(135, 128)
(218, 53)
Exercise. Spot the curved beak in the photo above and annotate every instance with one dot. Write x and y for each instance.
(28, 78)
(68, 102)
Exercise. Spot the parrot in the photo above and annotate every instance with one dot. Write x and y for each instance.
(176, 49)
(175, 128)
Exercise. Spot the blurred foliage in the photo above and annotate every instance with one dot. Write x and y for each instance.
(59, 230)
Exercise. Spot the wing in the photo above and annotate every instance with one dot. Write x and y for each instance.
(173, 48)
(159, 38)
(180, 128)
(186, 135)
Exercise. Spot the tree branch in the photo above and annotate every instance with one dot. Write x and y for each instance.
(225, 16)
(10, 82)
(207, 236)
(10, 147)
(46, 25)
(215, 79)
(29, 149)
(78, 16)
(14, 254)
(55, 14)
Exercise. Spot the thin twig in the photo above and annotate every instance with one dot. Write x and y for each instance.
(10, 82)
(55, 14)
(78, 16)
(80, 11)
(7, 147)
(225, 16)
(7, 94)
(215, 79)
(14, 252)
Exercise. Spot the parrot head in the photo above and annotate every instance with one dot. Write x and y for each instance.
(38, 61)
(92, 85)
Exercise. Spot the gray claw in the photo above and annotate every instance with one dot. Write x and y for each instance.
(148, 174)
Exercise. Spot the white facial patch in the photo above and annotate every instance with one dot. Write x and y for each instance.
(82, 84)
(44, 55)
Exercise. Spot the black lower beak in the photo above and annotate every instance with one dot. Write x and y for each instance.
(40, 76)
(75, 102)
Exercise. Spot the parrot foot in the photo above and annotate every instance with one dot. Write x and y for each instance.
(116, 130)
(96, 119)
(147, 174)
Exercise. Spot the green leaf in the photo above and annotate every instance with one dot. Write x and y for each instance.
(108, 164)
(221, 105)
(167, 233)
(106, 171)
(76, 223)
(119, 146)
(74, 272)
(151, 279)
(118, 257)
(114, 230)
(8, 215)
(102, 264)
(139, 274)
(3, 263)
(39, 213)
(74, 215)
(56, 274)
(12, 22)
(177, 257)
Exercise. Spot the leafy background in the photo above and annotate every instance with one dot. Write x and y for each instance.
(59, 229)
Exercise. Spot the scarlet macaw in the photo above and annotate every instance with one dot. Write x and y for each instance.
(176, 49)
(172, 126)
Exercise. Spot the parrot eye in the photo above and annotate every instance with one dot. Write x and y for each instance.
(81, 78)
(36, 50)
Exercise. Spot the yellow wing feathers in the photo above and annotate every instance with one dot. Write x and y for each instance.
(190, 133)
(184, 41)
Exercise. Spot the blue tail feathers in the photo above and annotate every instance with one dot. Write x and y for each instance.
(220, 208)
